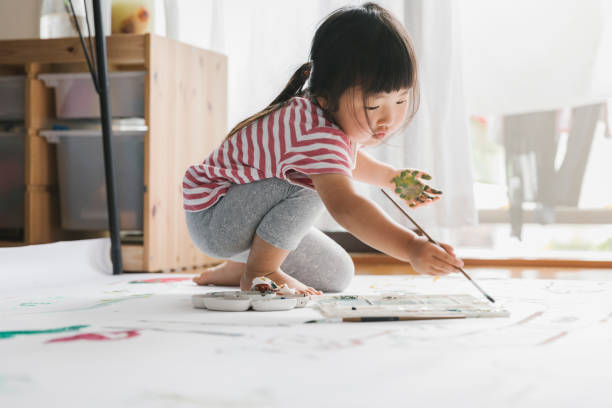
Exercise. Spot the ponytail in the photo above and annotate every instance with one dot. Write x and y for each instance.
(293, 88)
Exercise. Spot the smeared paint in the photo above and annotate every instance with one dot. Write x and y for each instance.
(208, 332)
(115, 335)
(553, 338)
(105, 302)
(161, 280)
(14, 382)
(34, 303)
(9, 334)
(528, 318)
(108, 302)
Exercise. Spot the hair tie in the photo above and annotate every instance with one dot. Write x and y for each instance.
(307, 70)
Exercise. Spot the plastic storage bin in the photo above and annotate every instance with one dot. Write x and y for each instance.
(12, 97)
(12, 181)
(82, 184)
(76, 97)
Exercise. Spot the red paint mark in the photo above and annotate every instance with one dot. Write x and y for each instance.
(160, 280)
(530, 317)
(605, 319)
(552, 339)
(361, 341)
(116, 335)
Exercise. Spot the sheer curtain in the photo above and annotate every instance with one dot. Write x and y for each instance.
(437, 141)
(267, 40)
(524, 56)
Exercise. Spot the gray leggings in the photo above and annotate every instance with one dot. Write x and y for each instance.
(282, 214)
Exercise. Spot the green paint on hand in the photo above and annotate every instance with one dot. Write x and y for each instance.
(409, 187)
(9, 334)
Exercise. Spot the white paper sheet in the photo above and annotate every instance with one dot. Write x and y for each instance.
(121, 341)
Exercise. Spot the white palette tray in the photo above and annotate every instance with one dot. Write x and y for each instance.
(407, 306)
(241, 301)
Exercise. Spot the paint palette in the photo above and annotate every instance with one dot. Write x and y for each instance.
(406, 306)
(241, 301)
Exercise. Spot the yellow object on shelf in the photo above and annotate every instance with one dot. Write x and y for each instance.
(132, 16)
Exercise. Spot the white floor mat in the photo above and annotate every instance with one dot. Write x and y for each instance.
(136, 341)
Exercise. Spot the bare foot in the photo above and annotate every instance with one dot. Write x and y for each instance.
(227, 273)
(279, 277)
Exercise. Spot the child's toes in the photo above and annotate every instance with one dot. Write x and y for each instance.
(200, 280)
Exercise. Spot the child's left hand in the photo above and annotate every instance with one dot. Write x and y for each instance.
(408, 184)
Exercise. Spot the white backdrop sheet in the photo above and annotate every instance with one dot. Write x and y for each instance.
(135, 340)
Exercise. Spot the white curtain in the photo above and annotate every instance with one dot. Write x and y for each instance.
(437, 141)
(526, 56)
(267, 40)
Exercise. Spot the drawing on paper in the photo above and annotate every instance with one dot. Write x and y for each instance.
(9, 334)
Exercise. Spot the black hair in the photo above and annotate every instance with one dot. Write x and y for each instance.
(355, 46)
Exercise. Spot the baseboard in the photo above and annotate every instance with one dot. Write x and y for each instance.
(367, 258)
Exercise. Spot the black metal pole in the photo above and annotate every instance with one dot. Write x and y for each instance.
(105, 111)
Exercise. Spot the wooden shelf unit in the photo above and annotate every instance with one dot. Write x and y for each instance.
(185, 113)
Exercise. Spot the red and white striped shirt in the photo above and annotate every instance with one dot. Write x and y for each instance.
(289, 143)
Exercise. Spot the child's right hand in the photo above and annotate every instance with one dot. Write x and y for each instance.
(428, 258)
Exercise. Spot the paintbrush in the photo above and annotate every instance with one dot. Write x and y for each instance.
(433, 241)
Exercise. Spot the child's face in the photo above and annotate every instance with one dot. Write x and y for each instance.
(386, 111)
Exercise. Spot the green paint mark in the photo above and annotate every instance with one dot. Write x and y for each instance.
(9, 334)
(13, 382)
(108, 302)
(34, 303)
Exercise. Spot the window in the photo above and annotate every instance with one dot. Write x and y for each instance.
(543, 185)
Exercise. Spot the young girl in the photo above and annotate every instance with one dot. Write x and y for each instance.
(254, 199)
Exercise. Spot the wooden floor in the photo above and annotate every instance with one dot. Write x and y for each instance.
(502, 272)
(382, 265)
